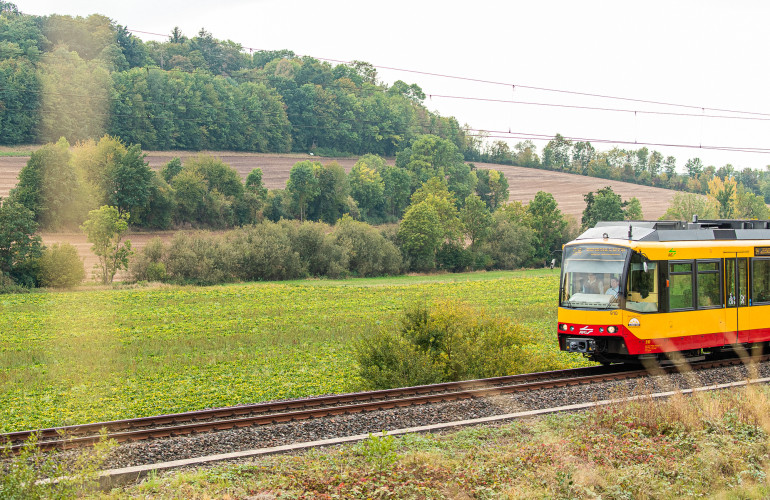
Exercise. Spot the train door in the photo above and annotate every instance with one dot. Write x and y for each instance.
(737, 298)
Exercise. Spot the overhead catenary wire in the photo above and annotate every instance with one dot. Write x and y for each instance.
(758, 116)
(510, 84)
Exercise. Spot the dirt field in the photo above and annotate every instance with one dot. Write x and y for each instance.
(568, 189)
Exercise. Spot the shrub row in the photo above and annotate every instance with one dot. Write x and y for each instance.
(269, 251)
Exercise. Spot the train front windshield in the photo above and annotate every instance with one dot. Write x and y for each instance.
(591, 276)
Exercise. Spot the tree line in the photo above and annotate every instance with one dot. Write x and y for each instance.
(449, 214)
(640, 166)
(81, 78)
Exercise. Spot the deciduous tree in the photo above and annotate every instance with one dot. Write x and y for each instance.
(302, 186)
(20, 247)
(105, 229)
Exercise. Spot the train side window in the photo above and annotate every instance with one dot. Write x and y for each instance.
(760, 281)
(642, 287)
(709, 288)
(680, 289)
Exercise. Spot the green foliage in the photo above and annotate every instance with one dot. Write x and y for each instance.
(269, 251)
(171, 169)
(48, 186)
(368, 252)
(148, 265)
(684, 205)
(387, 359)
(451, 256)
(397, 189)
(476, 220)
(420, 233)
(61, 267)
(277, 205)
(333, 193)
(218, 175)
(130, 180)
(367, 186)
(303, 185)
(20, 247)
(492, 188)
(511, 242)
(255, 185)
(19, 102)
(379, 450)
(431, 156)
(607, 205)
(446, 341)
(749, 205)
(30, 474)
(64, 75)
(158, 212)
(548, 224)
(207, 192)
(633, 209)
(556, 154)
(105, 229)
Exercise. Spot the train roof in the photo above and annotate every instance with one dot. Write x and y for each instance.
(698, 230)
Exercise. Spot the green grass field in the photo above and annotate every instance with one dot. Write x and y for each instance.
(86, 356)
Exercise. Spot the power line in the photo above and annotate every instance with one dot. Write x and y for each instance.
(513, 85)
(525, 136)
(592, 108)
(543, 137)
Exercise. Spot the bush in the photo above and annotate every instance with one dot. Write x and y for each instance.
(61, 267)
(370, 253)
(264, 252)
(386, 359)
(197, 258)
(148, 265)
(7, 285)
(453, 257)
(448, 341)
(319, 250)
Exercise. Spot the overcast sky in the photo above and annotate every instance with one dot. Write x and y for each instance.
(701, 53)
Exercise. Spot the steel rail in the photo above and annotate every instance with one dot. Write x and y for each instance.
(264, 414)
(275, 406)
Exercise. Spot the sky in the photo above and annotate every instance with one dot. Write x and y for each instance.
(707, 57)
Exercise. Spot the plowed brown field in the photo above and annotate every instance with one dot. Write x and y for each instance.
(568, 189)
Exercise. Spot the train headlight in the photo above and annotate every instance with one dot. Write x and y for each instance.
(563, 327)
(612, 329)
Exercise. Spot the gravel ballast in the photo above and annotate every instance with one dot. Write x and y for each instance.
(226, 441)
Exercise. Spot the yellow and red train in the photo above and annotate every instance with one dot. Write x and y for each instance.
(632, 291)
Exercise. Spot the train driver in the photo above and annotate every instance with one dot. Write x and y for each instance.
(614, 288)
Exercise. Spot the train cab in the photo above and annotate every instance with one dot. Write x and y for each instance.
(631, 291)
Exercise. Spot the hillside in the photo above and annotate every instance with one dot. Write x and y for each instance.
(568, 189)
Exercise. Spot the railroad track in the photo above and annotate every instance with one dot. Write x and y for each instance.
(216, 419)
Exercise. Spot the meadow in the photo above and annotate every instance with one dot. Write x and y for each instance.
(93, 355)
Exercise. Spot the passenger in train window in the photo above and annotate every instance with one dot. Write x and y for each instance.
(592, 285)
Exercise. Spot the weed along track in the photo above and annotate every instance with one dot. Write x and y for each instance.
(223, 430)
